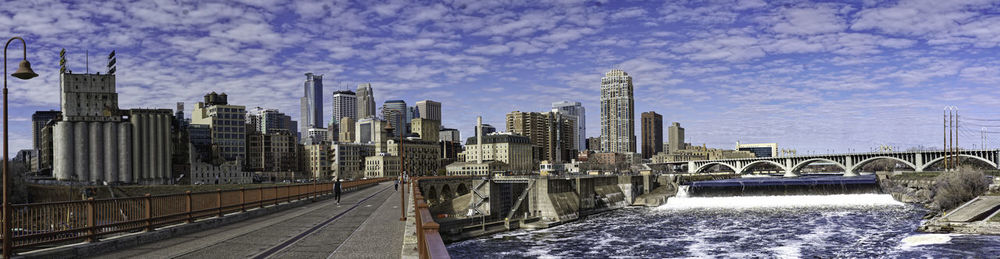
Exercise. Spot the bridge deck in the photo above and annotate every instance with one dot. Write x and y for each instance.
(365, 224)
(776, 181)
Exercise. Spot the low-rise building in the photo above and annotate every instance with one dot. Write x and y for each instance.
(347, 160)
(381, 165)
(420, 157)
(227, 173)
(318, 160)
(513, 150)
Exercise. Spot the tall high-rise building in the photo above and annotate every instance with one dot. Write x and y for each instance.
(366, 102)
(576, 110)
(312, 103)
(652, 134)
(228, 124)
(487, 129)
(551, 133)
(430, 110)
(38, 121)
(345, 105)
(676, 137)
(617, 113)
(395, 113)
(269, 121)
(450, 135)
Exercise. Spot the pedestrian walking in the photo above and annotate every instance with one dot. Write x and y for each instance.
(396, 187)
(336, 190)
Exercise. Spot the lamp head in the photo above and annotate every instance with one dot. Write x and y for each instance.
(24, 71)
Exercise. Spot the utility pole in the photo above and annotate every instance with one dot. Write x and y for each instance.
(944, 135)
(955, 144)
(982, 131)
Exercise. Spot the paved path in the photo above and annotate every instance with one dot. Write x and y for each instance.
(364, 225)
(973, 210)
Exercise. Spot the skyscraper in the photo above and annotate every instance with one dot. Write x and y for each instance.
(617, 113)
(652, 134)
(345, 105)
(366, 102)
(395, 112)
(577, 112)
(551, 133)
(312, 103)
(430, 110)
(38, 121)
(676, 137)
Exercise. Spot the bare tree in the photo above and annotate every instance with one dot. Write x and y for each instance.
(951, 189)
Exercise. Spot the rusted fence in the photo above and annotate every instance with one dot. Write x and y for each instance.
(429, 242)
(40, 224)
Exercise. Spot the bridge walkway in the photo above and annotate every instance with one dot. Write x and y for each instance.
(364, 225)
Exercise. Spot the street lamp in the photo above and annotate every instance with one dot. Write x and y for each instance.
(23, 72)
(402, 164)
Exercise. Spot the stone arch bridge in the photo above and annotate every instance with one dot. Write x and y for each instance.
(850, 163)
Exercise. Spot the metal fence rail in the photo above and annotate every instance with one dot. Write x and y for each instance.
(38, 224)
(429, 242)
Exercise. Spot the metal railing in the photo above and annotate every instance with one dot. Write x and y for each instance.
(36, 225)
(429, 242)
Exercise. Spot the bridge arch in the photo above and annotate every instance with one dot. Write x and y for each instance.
(861, 163)
(710, 164)
(751, 164)
(462, 189)
(929, 163)
(804, 163)
(432, 193)
(446, 192)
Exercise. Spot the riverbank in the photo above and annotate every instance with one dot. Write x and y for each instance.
(978, 216)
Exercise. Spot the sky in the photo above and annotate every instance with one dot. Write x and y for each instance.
(818, 77)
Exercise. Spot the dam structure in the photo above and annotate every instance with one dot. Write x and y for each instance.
(466, 207)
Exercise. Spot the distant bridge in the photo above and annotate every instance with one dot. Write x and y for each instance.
(851, 162)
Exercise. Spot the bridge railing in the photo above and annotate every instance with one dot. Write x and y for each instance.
(38, 225)
(429, 242)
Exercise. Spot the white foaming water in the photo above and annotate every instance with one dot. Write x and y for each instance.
(925, 239)
(751, 202)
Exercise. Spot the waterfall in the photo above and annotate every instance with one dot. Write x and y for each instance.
(750, 202)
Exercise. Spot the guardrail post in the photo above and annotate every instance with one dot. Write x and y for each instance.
(243, 199)
(187, 206)
(218, 200)
(91, 221)
(147, 204)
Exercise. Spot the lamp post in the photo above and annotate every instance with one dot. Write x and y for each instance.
(24, 73)
(402, 166)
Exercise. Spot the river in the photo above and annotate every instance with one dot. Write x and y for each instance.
(821, 226)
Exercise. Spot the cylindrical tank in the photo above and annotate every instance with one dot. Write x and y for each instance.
(111, 151)
(168, 154)
(96, 151)
(62, 150)
(81, 138)
(125, 152)
(156, 146)
(148, 161)
(136, 139)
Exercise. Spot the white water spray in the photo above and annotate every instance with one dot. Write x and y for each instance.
(683, 201)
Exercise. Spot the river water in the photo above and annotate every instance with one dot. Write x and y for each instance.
(827, 226)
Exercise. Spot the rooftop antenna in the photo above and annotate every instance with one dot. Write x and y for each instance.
(88, 61)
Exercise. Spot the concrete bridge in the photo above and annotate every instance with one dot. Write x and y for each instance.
(850, 163)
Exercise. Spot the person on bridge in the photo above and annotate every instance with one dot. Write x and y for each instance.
(396, 187)
(336, 190)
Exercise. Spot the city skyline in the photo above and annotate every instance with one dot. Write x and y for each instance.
(807, 76)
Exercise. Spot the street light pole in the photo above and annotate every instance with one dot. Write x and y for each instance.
(23, 72)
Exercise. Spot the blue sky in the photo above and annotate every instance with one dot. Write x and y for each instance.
(810, 76)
